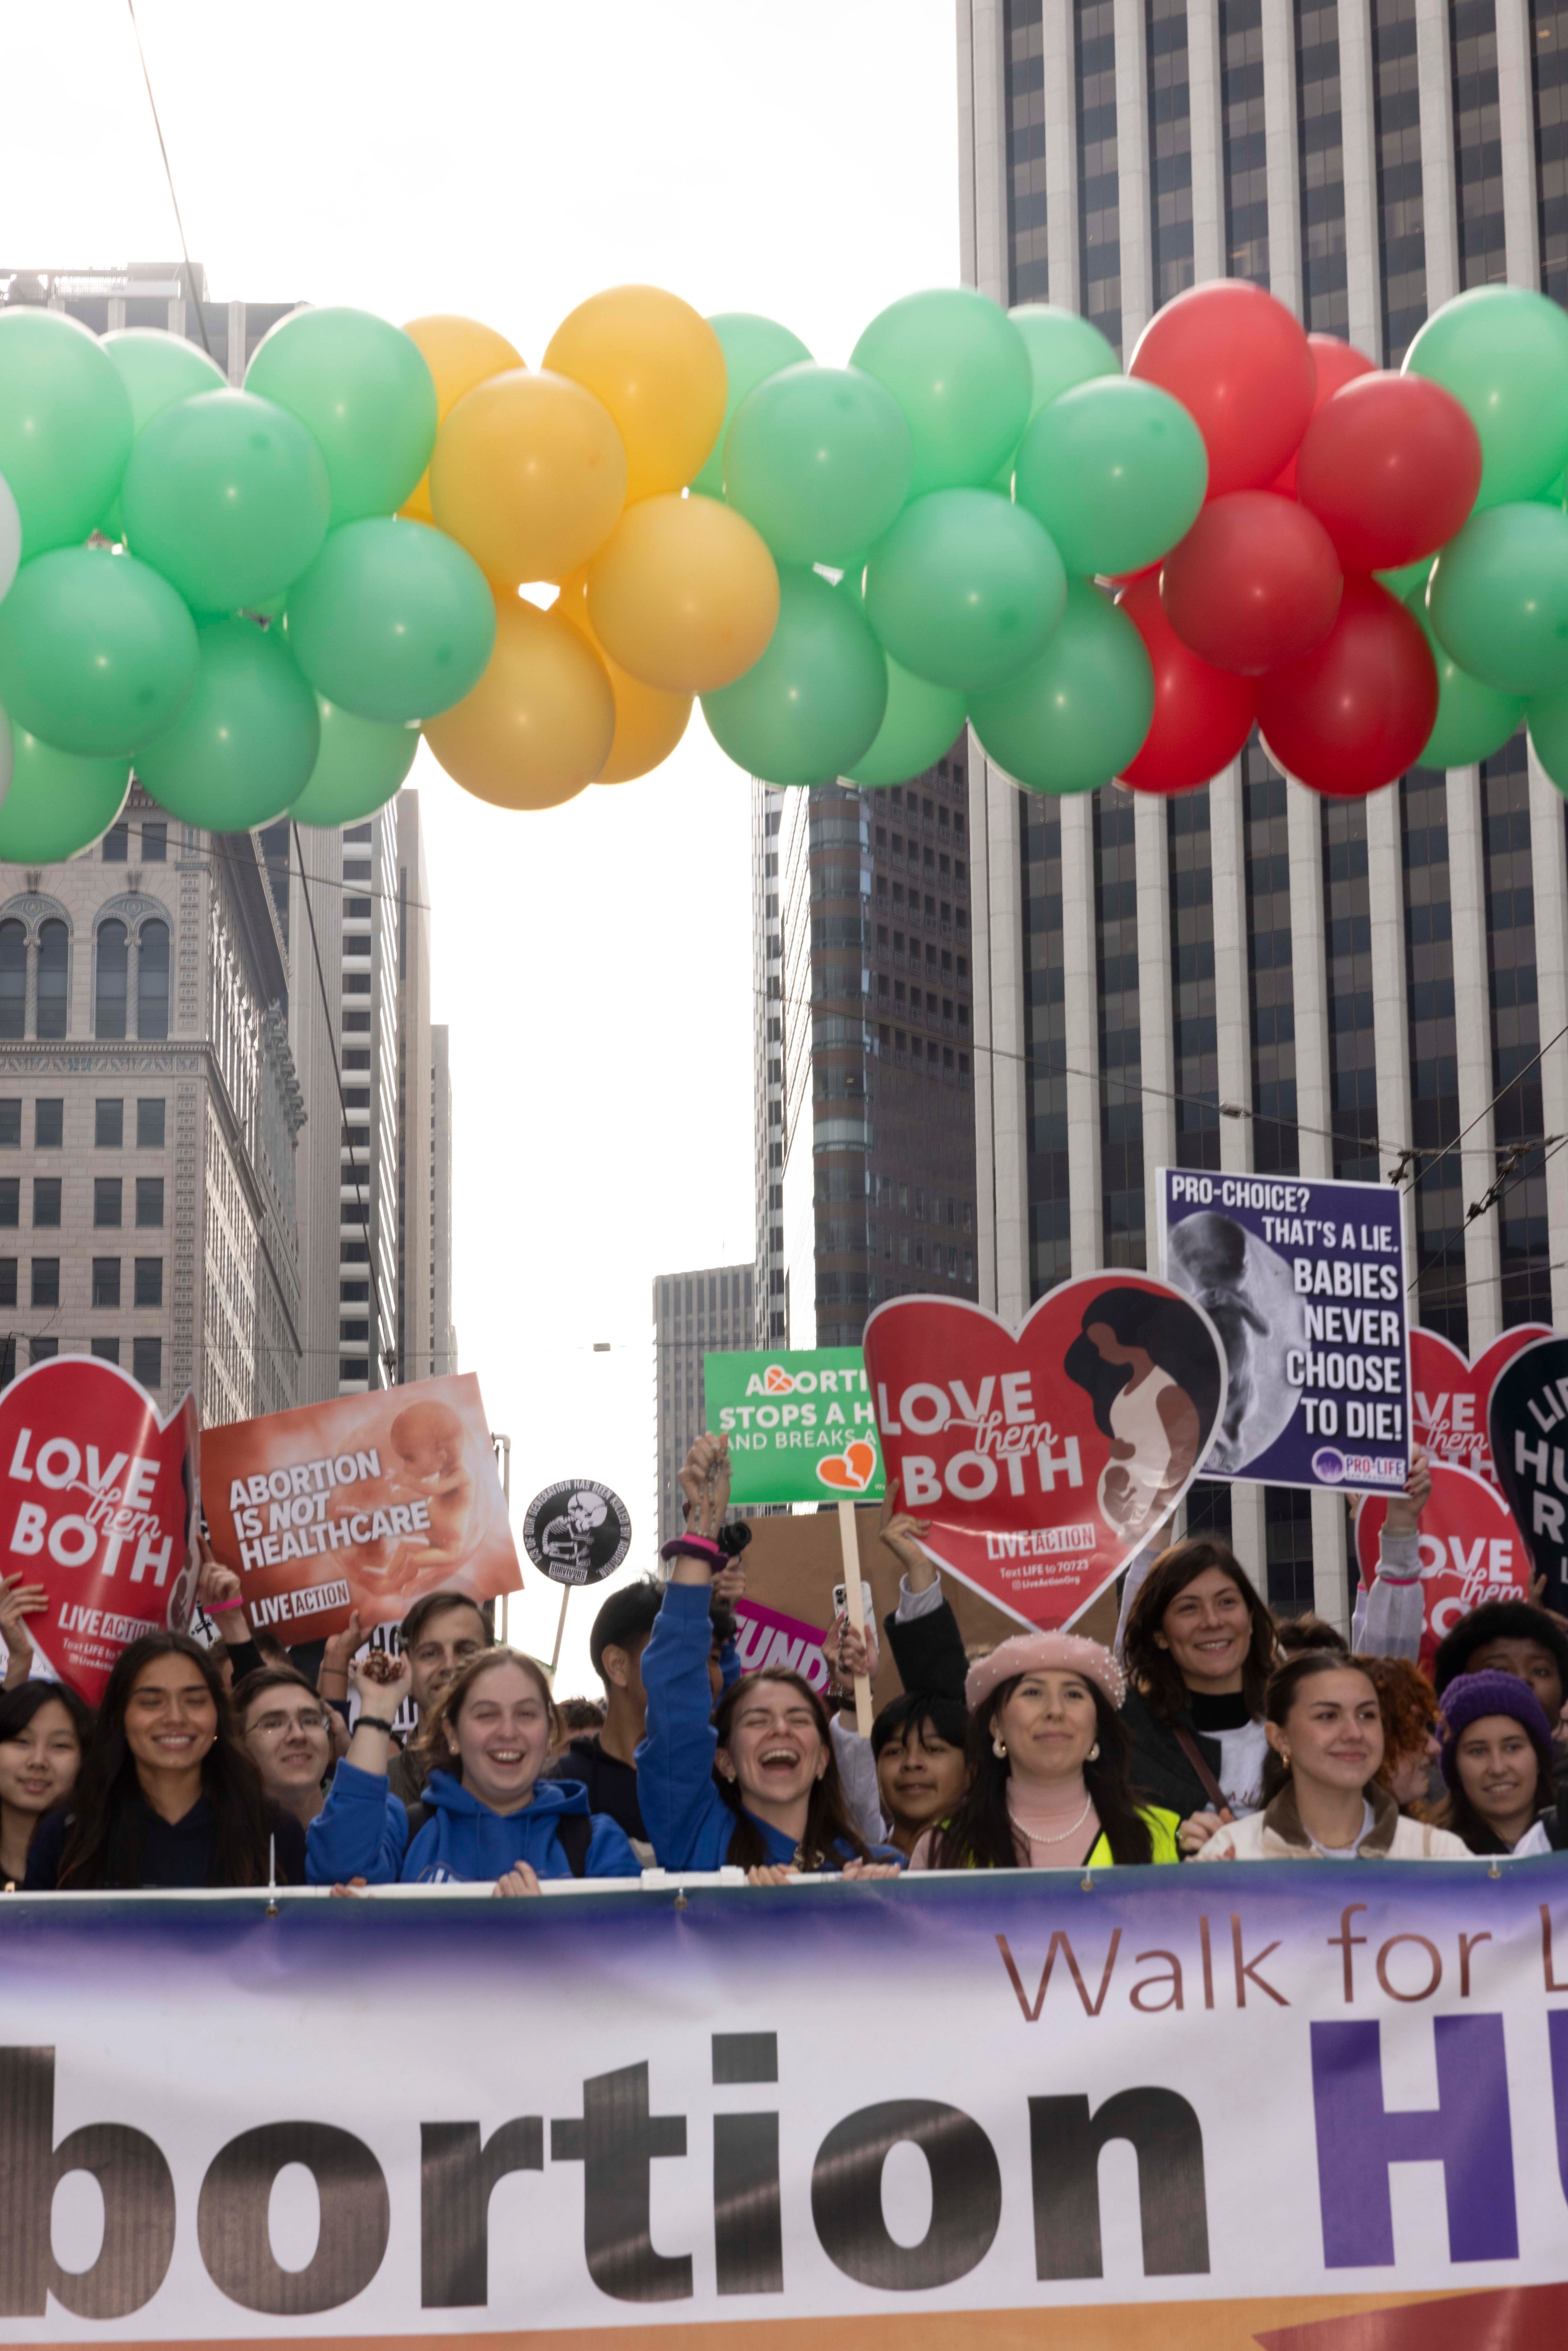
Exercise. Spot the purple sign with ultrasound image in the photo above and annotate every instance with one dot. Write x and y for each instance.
(1304, 1281)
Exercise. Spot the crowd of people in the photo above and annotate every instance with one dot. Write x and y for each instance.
(1208, 1732)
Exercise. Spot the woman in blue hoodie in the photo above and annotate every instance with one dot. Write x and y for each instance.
(756, 1784)
(486, 1815)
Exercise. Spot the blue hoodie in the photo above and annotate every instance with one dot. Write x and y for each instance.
(357, 1834)
(687, 1819)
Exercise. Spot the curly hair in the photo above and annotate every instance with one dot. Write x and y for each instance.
(1409, 1706)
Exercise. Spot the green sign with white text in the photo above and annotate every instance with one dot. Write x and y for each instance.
(800, 1422)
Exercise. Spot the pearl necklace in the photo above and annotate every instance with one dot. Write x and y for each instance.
(1056, 1836)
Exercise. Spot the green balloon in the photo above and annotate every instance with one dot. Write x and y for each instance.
(810, 707)
(245, 746)
(157, 369)
(1116, 471)
(1064, 350)
(921, 725)
(1078, 714)
(392, 620)
(359, 767)
(363, 389)
(960, 370)
(56, 805)
(1497, 598)
(818, 459)
(1548, 718)
(1503, 351)
(965, 589)
(754, 349)
(65, 425)
(1400, 583)
(1473, 720)
(98, 654)
(227, 496)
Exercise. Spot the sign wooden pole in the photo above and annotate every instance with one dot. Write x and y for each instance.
(559, 1631)
(849, 1544)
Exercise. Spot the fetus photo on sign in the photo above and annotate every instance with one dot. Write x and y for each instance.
(1244, 1288)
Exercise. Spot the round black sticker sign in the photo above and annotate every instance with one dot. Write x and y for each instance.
(577, 1531)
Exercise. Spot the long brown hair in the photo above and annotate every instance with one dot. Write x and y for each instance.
(828, 1823)
(980, 1835)
(431, 1745)
(1153, 1669)
(1285, 1688)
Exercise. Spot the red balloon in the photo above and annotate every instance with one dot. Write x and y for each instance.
(1203, 715)
(1390, 467)
(1240, 365)
(1355, 712)
(1255, 582)
(1335, 364)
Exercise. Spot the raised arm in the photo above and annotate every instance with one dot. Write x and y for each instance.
(1391, 1618)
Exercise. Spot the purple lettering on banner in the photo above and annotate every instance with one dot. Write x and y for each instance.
(1557, 2040)
(1468, 2131)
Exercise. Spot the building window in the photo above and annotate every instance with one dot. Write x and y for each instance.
(1518, 1120)
(1121, 1104)
(1170, 155)
(45, 1281)
(149, 1199)
(106, 1200)
(1245, 140)
(54, 979)
(46, 1200)
(1270, 950)
(107, 1350)
(1321, 139)
(13, 980)
(109, 1124)
(117, 844)
(1397, 115)
(48, 1123)
(1099, 200)
(149, 1125)
(108, 1003)
(149, 1281)
(1549, 58)
(11, 1123)
(7, 1281)
(1433, 1055)
(1195, 1024)
(354, 1367)
(155, 843)
(153, 980)
(1352, 1065)
(106, 1281)
(147, 1362)
(1477, 142)
(42, 1350)
(10, 1199)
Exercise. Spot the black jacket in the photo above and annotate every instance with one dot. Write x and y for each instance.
(612, 1785)
(1160, 1773)
(929, 1653)
(173, 1852)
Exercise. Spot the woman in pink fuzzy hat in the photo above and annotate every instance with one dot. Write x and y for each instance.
(1048, 1785)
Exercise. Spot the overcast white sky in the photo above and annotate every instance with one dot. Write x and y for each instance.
(795, 157)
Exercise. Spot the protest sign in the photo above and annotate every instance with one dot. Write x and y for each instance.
(362, 1502)
(577, 1531)
(98, 1504)
(1209, 2108)
(1448, 1394)
(800, 1424)
(1470, 1549)
(1527, 1423)
(1304, 1282)
(1044, 1458)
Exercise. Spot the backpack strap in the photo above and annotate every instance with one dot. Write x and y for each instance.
(418, 1813)
(575, 1831)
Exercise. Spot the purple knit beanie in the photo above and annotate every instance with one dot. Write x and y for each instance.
(1470, 1697)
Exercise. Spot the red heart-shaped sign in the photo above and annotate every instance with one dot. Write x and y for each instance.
(1448, 1394)
(1045, 1458)
(852, 1470)
(98, 1504)
(1471, 1550)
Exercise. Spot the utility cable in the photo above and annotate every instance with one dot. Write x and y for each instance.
(168, 174)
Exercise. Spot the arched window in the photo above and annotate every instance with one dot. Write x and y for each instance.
(54, 979)
(108, 1011)
(152, 981)
(13, 980)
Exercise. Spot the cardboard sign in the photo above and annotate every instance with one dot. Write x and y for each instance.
(364, 1502)
(98, 1505)
(1449, 1395)
(577, 1531)
(1305, 1282)
(1044, 1458)
(1470, 1549)
(800, 1424)
(1527, 1423)
(768, 1637)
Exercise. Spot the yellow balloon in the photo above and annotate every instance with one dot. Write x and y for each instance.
(529, 475)
(537, 728)
(684, 595)
(649, 723)
(658, 368)
(459, 353)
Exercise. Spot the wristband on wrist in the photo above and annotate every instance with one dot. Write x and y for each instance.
(373, 1722)
(217, 1607)
(696, 1547)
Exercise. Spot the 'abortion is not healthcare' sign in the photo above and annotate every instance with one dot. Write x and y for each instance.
(799, 1423)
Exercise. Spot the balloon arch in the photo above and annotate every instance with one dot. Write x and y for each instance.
(262, 597)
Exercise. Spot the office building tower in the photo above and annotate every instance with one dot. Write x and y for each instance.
(1250, 976)
(864, 1080)
(443, 1336)
(415, 1104)
(694, 1314)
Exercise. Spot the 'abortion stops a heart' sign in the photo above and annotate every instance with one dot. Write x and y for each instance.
(1045, 1458)
(800, 1424)
(98, 1504)
(1470, 1551)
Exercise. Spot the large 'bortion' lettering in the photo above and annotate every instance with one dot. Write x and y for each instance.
(966, 2195)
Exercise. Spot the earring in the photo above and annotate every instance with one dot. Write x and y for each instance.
(1285, 1757)
(999, 1746)
(1094, 1756)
